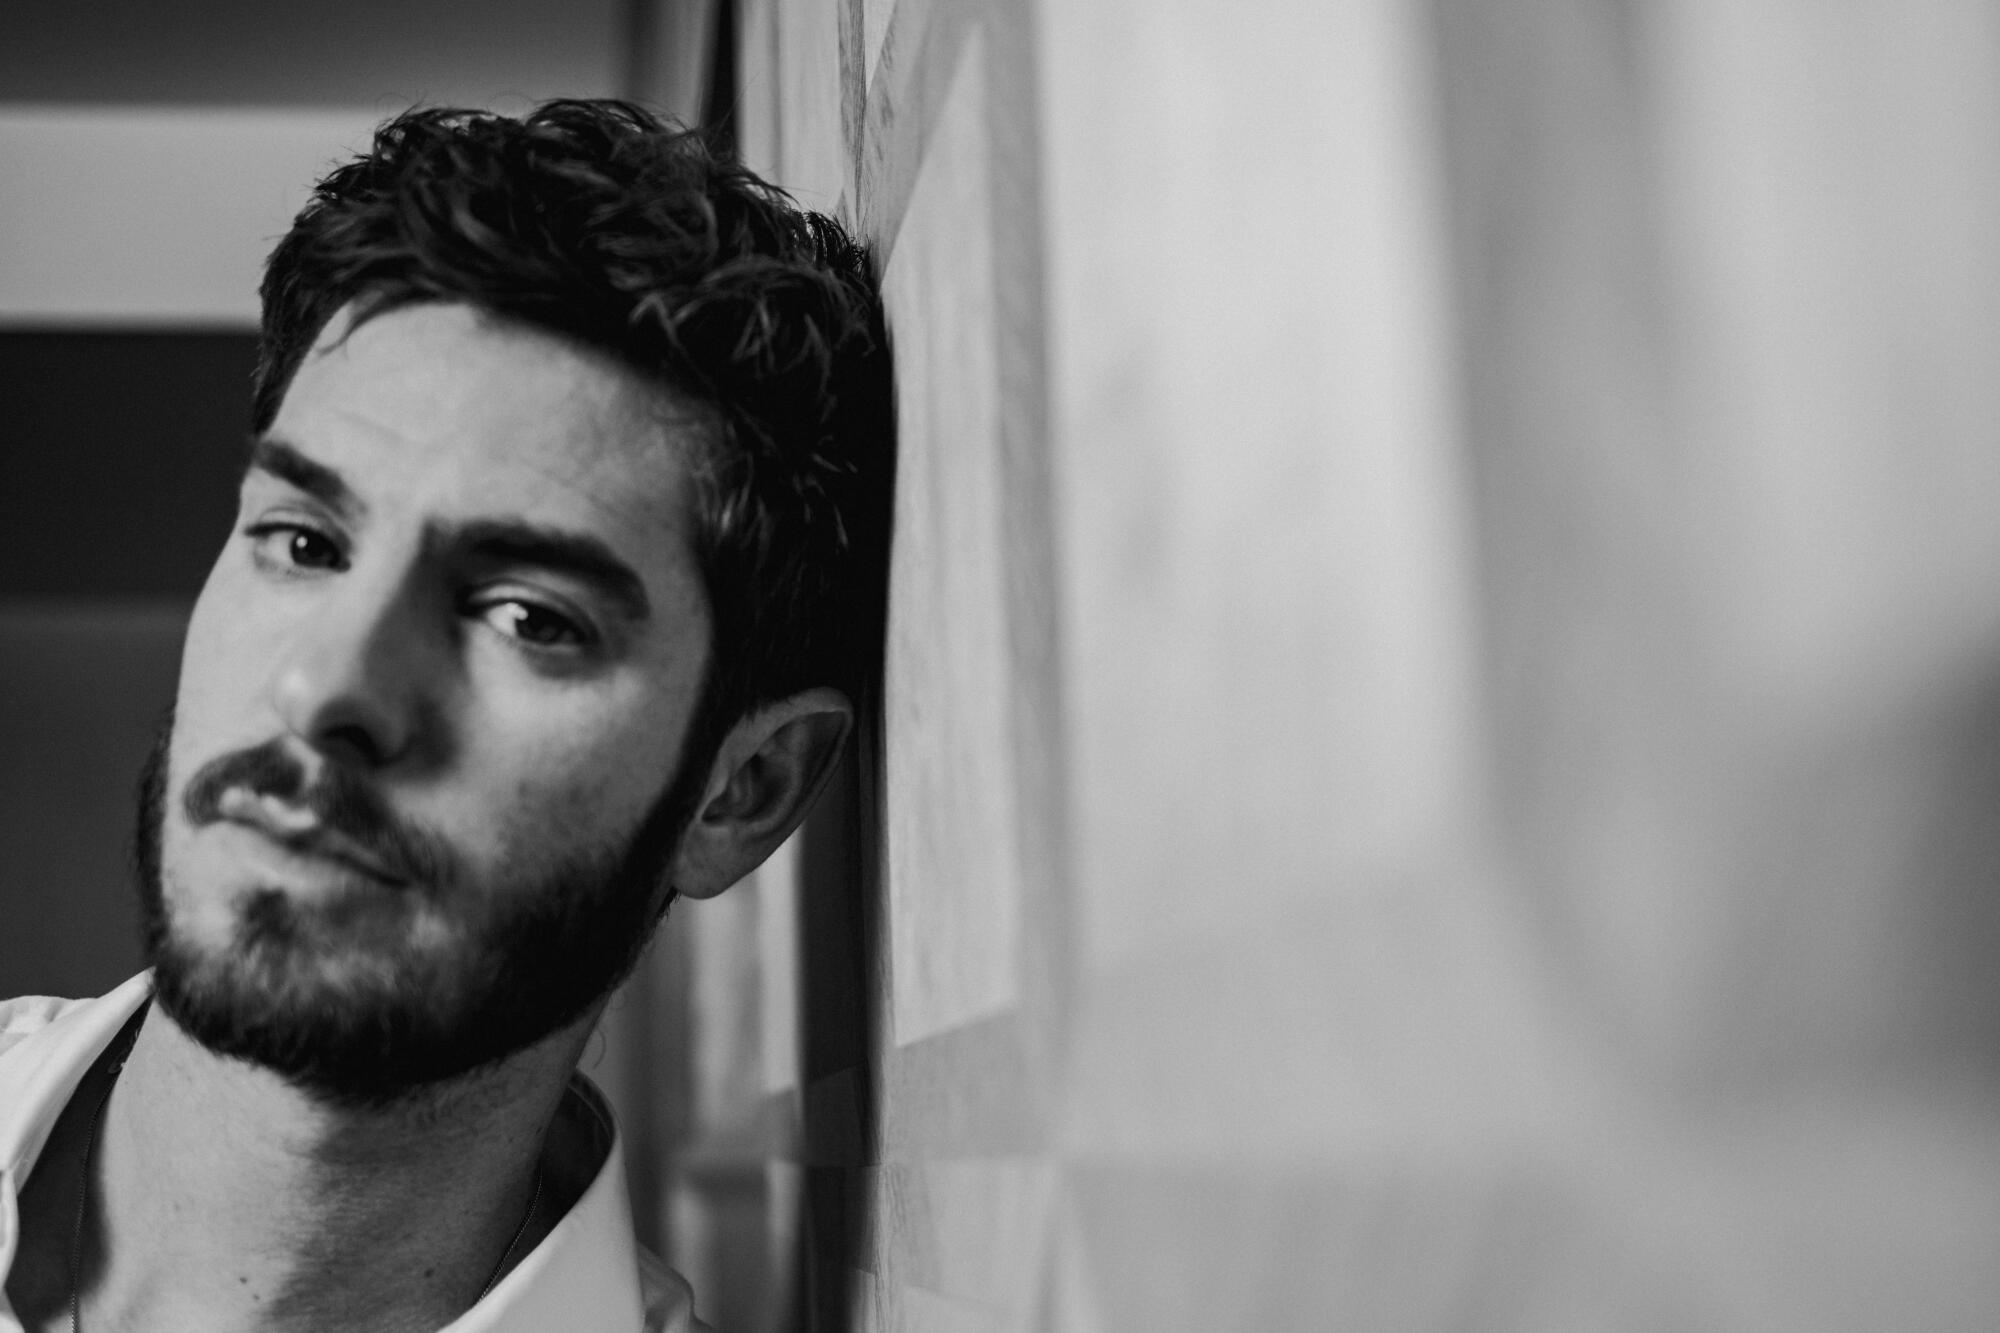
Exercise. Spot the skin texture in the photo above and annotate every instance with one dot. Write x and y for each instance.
(513, 716)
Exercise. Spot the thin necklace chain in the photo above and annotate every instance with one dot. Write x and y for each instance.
(83, 1202)
(534, 1199)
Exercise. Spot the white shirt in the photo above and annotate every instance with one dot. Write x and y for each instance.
(589, 1274)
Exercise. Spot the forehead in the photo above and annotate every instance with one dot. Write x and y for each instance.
(471, 415)
(447, 413)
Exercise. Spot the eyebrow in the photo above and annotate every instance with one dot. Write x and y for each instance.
(499, 540)
(582, 557)
(284, 461)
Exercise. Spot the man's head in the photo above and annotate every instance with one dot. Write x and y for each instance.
(556, 567)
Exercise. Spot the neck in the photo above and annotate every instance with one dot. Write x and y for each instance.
(229, 1199)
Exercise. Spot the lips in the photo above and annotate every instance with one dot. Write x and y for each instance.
(301, 829)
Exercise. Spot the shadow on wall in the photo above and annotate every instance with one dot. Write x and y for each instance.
(842, 922)
(1953, 883)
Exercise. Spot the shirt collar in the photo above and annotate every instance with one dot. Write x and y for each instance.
(584, 1273)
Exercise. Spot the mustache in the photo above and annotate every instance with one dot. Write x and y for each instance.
(339, 799)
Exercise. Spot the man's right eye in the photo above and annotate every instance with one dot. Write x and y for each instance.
(290, 547)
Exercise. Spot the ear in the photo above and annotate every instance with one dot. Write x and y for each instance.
(766, 773)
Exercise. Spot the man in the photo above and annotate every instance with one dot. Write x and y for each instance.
(555, 570)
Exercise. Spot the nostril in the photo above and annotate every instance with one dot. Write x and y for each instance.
(342, 714)
(355, 679)
(351, 740)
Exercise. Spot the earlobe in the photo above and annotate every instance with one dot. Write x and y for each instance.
(766, 774)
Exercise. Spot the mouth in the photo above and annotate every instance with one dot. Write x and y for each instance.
(301, 830)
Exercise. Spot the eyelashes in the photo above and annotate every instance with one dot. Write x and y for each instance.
(291, 548)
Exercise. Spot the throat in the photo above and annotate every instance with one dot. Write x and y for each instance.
(208, 1193)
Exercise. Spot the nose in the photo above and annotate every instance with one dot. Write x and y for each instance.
(356, 682)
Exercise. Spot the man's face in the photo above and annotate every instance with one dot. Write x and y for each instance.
(416, 799)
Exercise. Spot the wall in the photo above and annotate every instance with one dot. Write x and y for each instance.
(1439, 752)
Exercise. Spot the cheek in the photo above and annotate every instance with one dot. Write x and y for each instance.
(218, 664)
(198, 697)
(582, 798)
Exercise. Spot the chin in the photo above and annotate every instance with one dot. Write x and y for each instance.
(360, 1022)
(355, 1011)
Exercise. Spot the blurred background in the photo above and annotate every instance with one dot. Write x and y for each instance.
(1439, 757)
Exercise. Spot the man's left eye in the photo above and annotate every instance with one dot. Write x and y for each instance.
(536, 625)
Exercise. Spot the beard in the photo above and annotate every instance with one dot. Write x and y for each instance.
(370, 1023)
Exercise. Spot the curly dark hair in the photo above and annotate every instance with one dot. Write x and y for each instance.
(599, 222)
